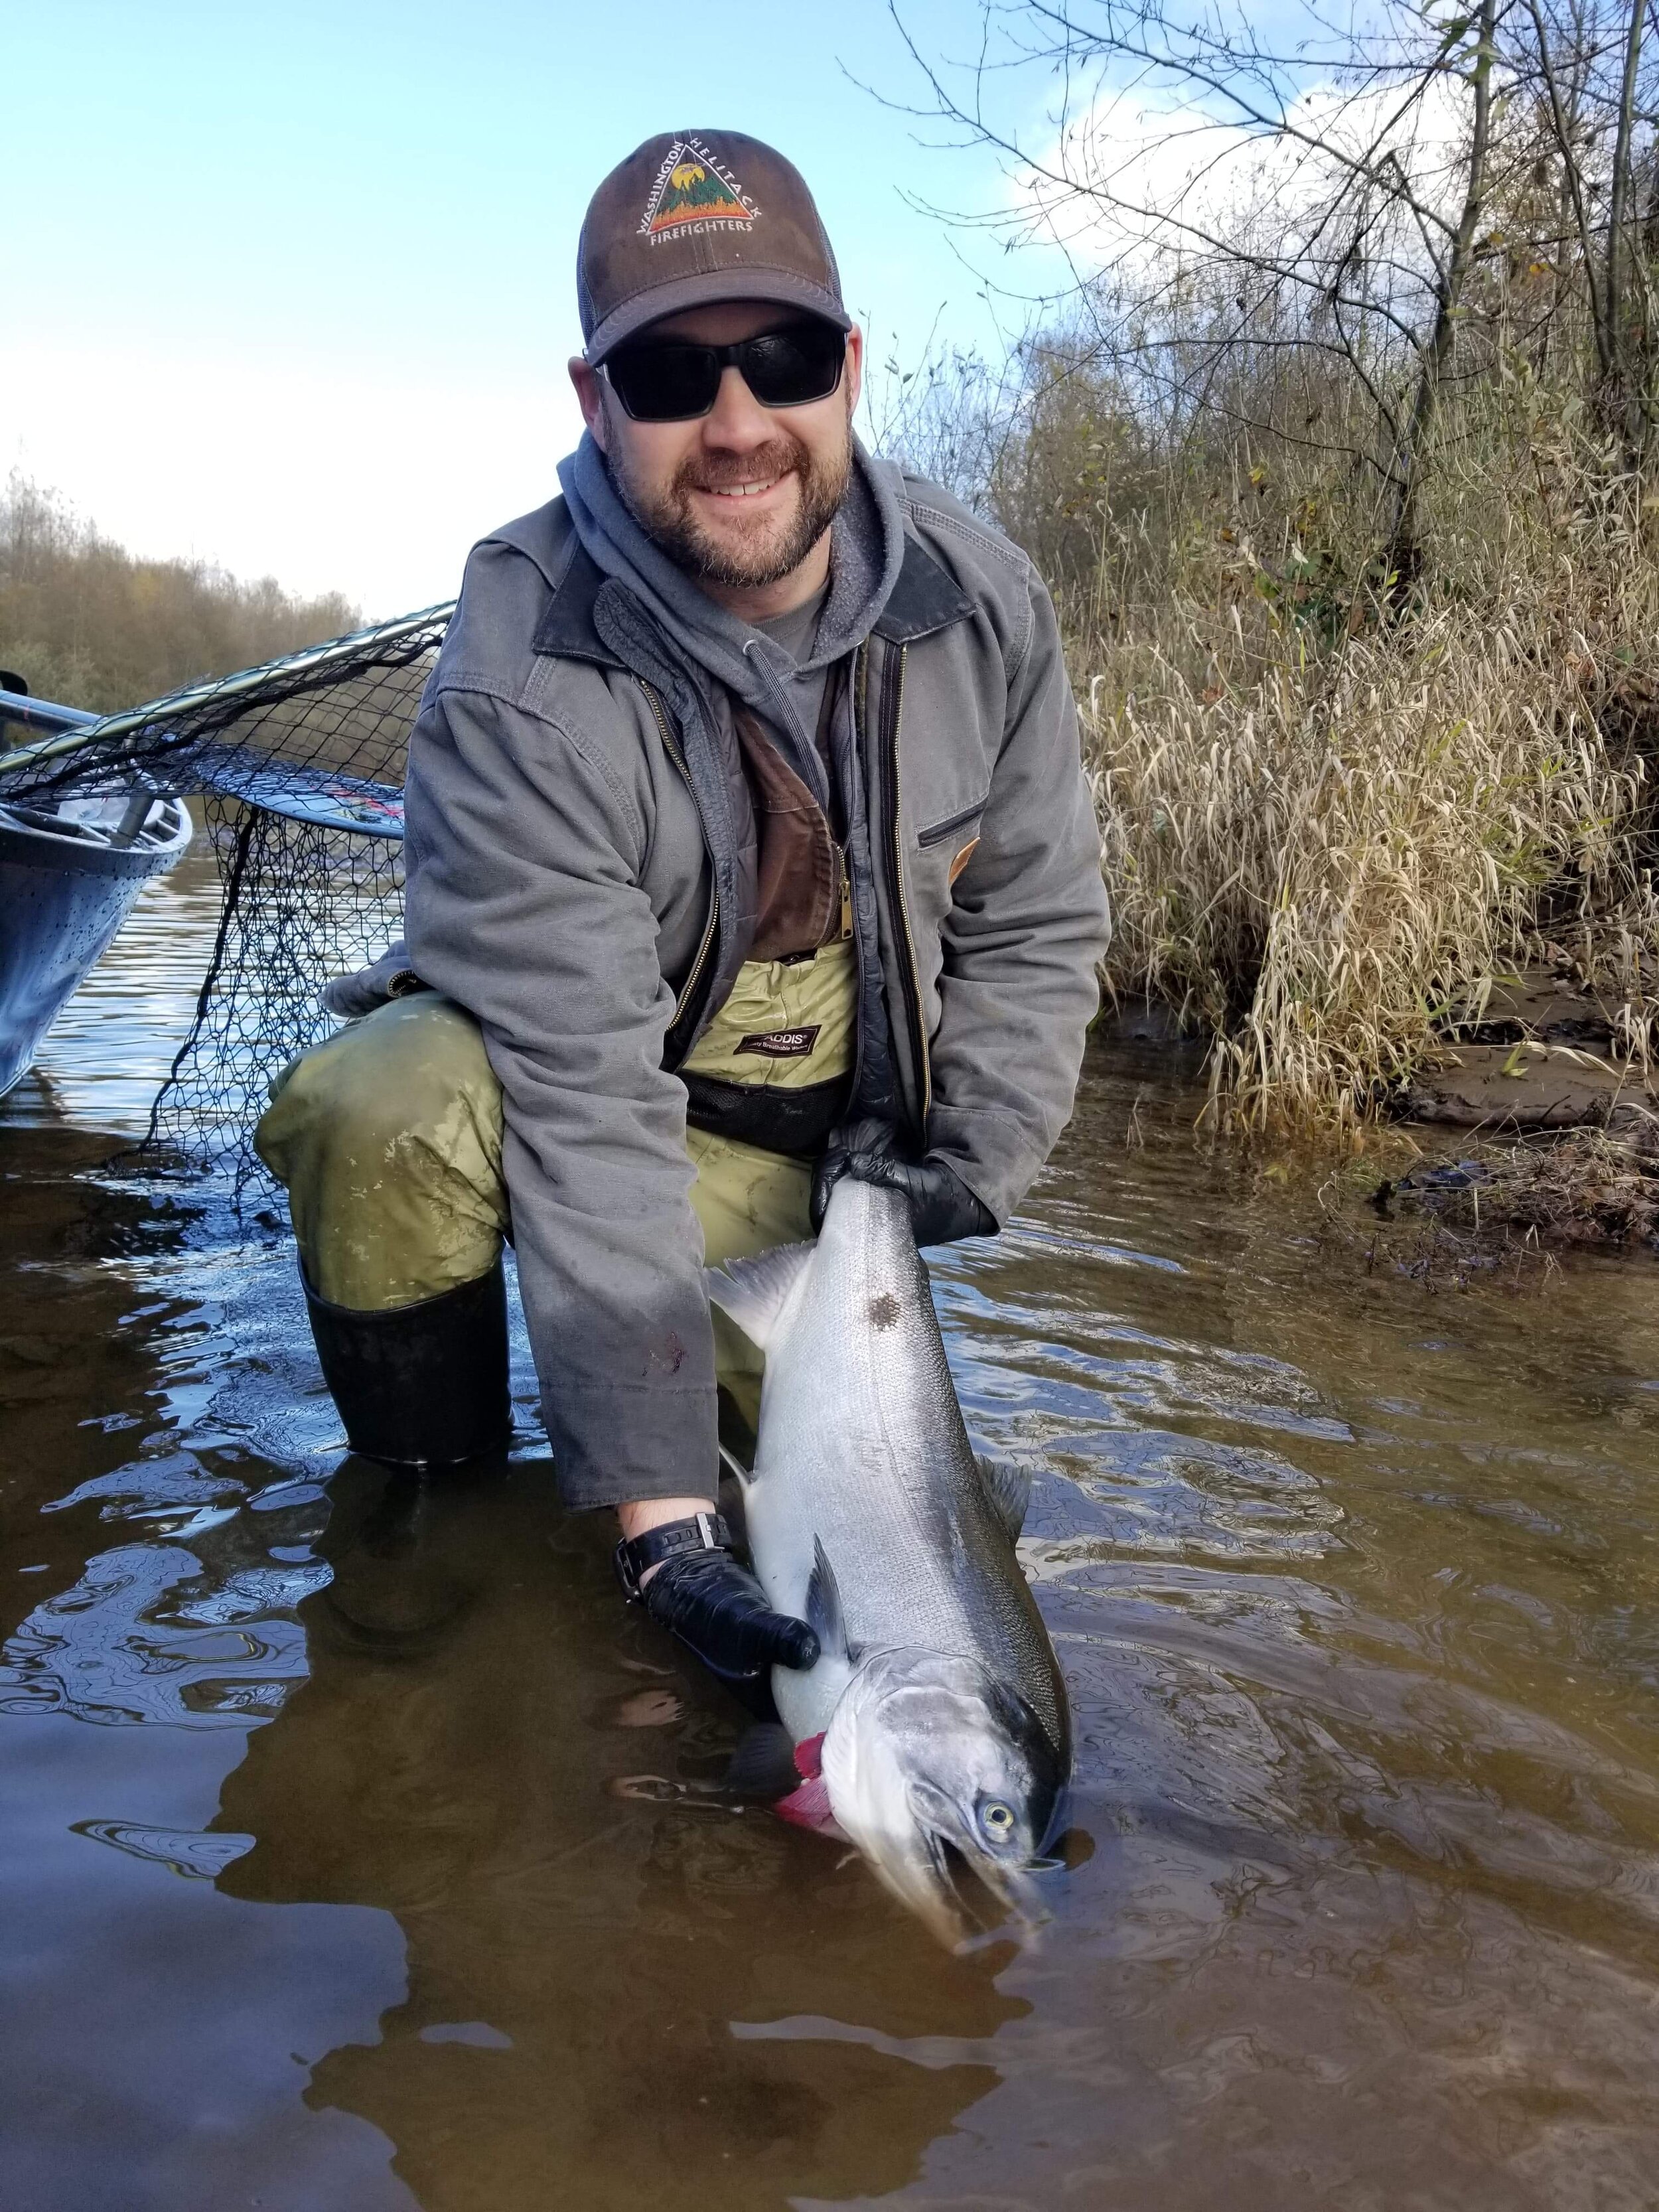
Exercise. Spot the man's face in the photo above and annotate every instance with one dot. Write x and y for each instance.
(741, 495)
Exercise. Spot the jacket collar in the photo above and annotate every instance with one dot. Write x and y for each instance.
(924, 600)
(568, 630)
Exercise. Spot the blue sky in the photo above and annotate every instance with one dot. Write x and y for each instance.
(291, 287)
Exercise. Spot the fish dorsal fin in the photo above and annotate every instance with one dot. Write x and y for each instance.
(757, 1292)
(1009, 1489)
(764, 1763)
(824, 1614)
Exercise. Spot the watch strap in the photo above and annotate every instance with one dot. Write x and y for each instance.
(636, 1556)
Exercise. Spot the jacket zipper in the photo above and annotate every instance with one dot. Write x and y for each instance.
(672, 747)
(892, 688)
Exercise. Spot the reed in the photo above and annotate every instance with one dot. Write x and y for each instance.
(1318, 858)
(1335, 813)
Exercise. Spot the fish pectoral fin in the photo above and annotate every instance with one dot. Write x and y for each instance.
(735, 1476)
(763, 1763)
(1009, 1489)
(824, 1613)
(756, 1293)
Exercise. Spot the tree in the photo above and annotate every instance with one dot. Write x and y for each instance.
(1235, 212)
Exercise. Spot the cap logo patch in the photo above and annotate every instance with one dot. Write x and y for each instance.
(693, 192)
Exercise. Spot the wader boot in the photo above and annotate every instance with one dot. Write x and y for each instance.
(394, 1590)
(422, 1385)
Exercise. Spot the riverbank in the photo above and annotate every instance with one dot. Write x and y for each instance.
(1519, 1136)
(1331, 861)
(1399, 867)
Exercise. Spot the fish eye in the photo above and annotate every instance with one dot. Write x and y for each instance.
(997, 1820)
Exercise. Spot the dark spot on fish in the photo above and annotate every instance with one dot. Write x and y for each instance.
(885, 1311)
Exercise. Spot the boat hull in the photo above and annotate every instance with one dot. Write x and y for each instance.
(64, 891)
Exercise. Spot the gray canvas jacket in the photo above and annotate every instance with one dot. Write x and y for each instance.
(571, 882)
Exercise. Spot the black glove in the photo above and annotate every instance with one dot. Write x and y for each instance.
(942, 1207)
(711, 1602)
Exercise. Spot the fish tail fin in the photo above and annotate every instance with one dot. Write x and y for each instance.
(755, 1293)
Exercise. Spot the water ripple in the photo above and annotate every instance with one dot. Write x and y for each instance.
(104, 1652)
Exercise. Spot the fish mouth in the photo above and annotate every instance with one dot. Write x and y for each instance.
(927, 1875)
(922, 1749)
(962, 1896)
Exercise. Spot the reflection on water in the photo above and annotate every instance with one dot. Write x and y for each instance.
(109, 1048)
(340, 1870)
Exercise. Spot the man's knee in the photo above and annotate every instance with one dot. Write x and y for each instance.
(388, 1139)
(408, 1073)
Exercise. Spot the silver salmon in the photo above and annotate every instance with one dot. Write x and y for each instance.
(932, 1728)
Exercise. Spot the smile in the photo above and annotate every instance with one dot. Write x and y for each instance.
(741, 490)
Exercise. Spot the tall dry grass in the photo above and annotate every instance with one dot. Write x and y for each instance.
(1330, 823)
(1319, 859)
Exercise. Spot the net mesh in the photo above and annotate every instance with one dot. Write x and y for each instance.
(299, 768)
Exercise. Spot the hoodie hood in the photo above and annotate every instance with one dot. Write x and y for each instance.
(866, 550)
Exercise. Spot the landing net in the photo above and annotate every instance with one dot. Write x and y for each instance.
(298, 769)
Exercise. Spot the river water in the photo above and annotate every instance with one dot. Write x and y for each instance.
(346, 1856)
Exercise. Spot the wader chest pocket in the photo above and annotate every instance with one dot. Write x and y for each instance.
(773, 1067)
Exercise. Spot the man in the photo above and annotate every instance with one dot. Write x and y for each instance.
(749, 846)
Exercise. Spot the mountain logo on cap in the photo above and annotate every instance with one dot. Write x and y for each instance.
(693, 191)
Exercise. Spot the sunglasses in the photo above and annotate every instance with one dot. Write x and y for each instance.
(675, 382)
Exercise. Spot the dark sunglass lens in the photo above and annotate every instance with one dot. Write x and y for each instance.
(788, 369)
(665, 383)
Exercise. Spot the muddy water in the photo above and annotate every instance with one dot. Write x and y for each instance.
(342, 1862)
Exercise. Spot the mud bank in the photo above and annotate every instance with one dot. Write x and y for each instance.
(1530, 1128)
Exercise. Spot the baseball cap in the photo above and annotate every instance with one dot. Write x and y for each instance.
(693, 216)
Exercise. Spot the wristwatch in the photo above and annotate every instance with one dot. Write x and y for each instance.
(637, 1555)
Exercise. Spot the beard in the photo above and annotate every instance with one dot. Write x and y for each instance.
(770, 549)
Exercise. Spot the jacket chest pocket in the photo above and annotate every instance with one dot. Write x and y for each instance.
(958, 831)
(943, 848)
(939, 851)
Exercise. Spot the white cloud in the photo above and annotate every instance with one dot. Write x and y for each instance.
(1128, 175)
